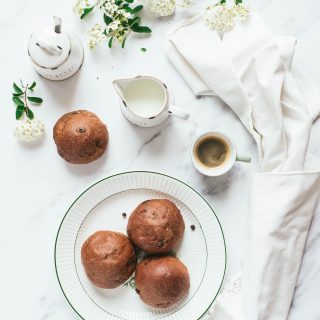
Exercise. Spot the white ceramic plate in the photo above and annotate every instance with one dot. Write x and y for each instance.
(100, 208)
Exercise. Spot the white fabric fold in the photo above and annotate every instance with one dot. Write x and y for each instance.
(278, 236)
(252, 71)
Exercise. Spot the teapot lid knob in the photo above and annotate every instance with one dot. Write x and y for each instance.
(49, 48)
(57, 24)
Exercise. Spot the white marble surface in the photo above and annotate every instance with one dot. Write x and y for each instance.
(38, 186)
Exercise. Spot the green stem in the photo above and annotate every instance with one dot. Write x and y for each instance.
(25, 98)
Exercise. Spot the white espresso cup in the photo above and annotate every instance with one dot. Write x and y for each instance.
(214, 154)
(146, 101)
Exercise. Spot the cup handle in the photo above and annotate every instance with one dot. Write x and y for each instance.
(178, 112)
(243, 158)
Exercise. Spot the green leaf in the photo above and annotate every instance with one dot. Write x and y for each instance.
(19, 112)
(105, 32)
(33, 85)
(107, 19)
(17, 101)
(143, 49)
(127, 8)
(35, 100)
(238, 2)
(141, 29)
(129, 1)
(137, 9)
(29, 114)
(134, 21)
(86, 11)
(118, 2)
(123, 43)
(17, 89)
(110, 42)
(17, 94)
(223, 1)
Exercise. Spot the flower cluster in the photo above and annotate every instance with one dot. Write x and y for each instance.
(222, 18)
(242, 11)
(119, 17)
(80, 5)
(29, 130)
(162, 8)
(109, 7)
(95, 36)
(117, 20)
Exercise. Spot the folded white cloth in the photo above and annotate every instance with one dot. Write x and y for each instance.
(251, 70)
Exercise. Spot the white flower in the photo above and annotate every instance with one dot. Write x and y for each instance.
(126, 14)
(29, 130)
(114, 25)
(109, 7)
(162, 8)
(220, 17)
(121, 12)
(95, 36)
(242, 11)
(80, 5)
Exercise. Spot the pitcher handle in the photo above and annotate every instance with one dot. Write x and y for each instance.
(243, 158)
(178, 112)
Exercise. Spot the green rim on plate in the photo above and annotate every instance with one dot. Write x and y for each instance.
(137, 172)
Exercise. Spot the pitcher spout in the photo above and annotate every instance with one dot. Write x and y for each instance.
(120, 86)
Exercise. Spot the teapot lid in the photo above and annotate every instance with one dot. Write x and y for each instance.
(48, 47)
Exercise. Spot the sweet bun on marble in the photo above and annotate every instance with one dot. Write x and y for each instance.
(156, 226)
(108, 259)
(80, 136)
(161, 281)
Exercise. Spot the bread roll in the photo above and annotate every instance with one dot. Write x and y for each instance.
(81, 137)
(108, 259)
(161, 281)
(156, 226)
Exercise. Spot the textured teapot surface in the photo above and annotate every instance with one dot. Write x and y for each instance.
(55, 55)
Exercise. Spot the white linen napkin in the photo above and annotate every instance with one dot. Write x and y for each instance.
(252, 70)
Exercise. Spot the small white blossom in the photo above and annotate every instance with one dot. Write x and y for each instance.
(121, 12)
(80, 5)
(220, 17)
(242, 11)
(109, 7)
(114, 25)
(29, 130)
(161, 8)
(95, 36)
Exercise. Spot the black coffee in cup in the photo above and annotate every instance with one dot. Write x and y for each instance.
(212, 152)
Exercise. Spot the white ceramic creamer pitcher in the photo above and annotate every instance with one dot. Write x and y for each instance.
(56, 55)
(146, 102)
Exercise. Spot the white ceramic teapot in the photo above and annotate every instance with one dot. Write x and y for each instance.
(56, 55)
(145, 101)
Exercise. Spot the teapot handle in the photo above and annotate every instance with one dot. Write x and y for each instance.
(178, 112)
